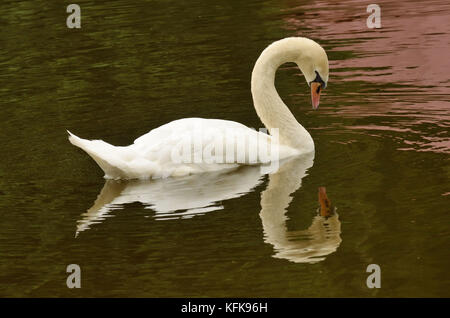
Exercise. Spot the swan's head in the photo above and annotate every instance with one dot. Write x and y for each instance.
(313, 62)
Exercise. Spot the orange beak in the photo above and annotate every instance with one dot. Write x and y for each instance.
(315, 94)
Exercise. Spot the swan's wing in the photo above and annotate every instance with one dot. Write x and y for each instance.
(186, 146)
(207, 144)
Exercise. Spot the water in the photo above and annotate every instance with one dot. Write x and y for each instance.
(381, 135)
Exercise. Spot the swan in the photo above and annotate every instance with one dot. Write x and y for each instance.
(183, 146)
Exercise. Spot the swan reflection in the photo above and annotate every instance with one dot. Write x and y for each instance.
(173, 198)
(307, 246)
(193, 195)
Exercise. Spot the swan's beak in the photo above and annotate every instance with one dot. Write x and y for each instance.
(315, 94)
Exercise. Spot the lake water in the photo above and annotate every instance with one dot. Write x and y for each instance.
(381, 136)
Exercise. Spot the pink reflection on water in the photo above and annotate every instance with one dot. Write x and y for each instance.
(382, 128)
(434, 144)
(411, 51)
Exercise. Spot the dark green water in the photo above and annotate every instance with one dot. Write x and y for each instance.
(381, 136)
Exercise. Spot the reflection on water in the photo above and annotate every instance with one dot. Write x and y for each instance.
(173, 198)
(307, 246)
(181, 198)
(404, 64)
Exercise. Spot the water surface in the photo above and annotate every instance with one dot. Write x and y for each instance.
(381, 136)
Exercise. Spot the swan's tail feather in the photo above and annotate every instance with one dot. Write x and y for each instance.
(107, 156)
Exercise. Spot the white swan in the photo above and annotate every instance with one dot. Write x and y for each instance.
(152, 155)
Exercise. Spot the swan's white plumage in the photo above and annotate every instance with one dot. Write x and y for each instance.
(152, 155)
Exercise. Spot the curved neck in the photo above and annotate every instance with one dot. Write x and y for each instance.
(268, 104)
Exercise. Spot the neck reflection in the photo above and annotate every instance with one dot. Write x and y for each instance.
(186, 197)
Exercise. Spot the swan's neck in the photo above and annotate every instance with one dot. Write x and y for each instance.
(270, 108)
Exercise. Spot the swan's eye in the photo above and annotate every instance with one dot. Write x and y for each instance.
(319, 80)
